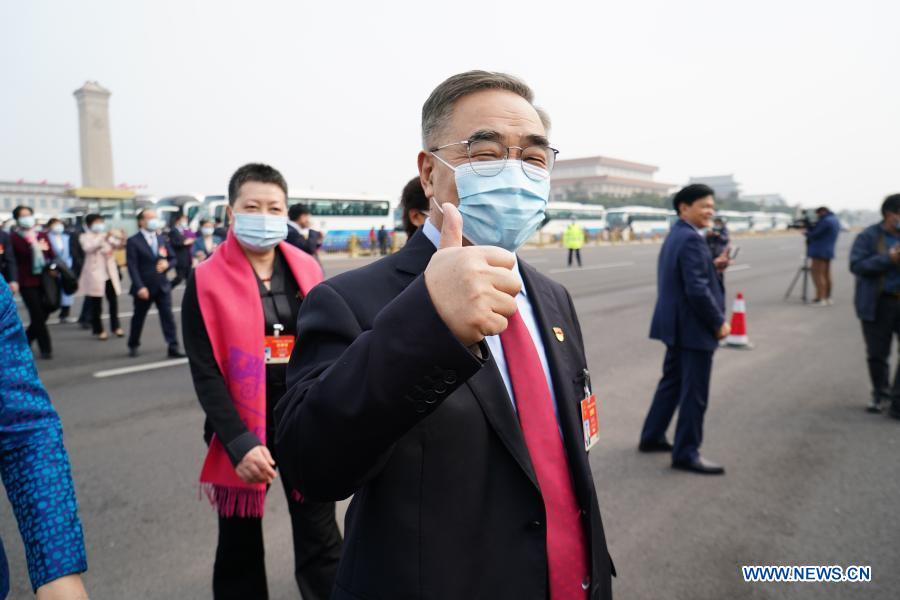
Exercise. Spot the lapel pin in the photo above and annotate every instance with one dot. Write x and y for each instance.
(559, 334)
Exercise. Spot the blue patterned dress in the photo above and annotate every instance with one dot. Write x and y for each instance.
(34, 463)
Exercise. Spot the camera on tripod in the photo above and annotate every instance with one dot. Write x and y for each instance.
(807, 220)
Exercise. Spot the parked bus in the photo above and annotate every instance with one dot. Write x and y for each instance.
(737, 222)
(592, 217)
(642, 220)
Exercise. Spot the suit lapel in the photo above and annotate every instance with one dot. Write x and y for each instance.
(486, 385)
(548, 314)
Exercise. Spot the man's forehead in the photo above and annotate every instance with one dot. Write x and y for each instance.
(509, 115)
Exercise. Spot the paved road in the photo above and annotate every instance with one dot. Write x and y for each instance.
(812, 479)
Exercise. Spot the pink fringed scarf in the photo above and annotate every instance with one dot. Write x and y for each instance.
(233, 316)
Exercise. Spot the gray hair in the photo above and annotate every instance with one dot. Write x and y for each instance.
(438, 109)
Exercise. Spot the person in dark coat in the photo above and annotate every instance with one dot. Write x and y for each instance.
(875, 261)
(443, 386)
(150, 258)
(8, 269)
(33, 254)
(414, 206)
(820, 242)
(689, 319)
(300, 234)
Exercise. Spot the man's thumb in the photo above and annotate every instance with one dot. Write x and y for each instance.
(451, 227)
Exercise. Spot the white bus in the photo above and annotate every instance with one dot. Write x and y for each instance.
(592, 217)
(780, 221)
(761, 221)
(339, 216)
(643, 220)
(736, 222)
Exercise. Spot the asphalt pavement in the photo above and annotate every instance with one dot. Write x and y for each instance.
(812, 479)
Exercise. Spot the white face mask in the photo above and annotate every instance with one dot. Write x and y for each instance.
(153, 225)
(98, 227)
(57, 228)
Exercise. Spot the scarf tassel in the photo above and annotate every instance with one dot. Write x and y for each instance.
(234, 501)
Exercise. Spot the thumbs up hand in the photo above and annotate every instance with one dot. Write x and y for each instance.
(472, 288)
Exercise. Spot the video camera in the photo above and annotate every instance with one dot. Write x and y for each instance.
(807, 220)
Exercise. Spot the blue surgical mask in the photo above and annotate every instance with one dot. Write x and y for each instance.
(504, 210)
(26, 221)
(153, 225)
(259, 232)
(98, 227)
(57, 228)
(207, 231)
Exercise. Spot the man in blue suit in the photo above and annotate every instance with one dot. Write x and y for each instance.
(150, 257)
(820, 243)
(690, 319)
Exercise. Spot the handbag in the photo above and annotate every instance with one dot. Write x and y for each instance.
(51, 294)
(68, 281)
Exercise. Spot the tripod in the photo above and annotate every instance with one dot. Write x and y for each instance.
(803, 271)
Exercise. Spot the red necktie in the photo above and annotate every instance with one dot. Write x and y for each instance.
(566, 545)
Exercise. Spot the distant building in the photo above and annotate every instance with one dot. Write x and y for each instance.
(579, 179)
(723, 185)
(768, 200)
(42, 197)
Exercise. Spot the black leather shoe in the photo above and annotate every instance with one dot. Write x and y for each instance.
(701, 465)
(132, 352)
(175, 353)
(660, 446)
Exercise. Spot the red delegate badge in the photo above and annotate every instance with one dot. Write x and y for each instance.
(278, 348)
(589, 421)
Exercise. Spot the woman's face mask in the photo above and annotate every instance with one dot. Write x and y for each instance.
(503, 210)
(259, 232)
(26, 221)
(57, 228)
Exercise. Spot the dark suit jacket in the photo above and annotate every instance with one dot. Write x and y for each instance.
(310, 244)
(386, 404)
(142, 264)
(76, 251)
(8, 267)
(690, 307)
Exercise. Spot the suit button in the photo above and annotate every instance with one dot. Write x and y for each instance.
(420, 407)
(535, 525)
(586, 584)
(449, 377)
(440, 388)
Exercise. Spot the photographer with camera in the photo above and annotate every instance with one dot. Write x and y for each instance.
(821, 239)
(875, 260)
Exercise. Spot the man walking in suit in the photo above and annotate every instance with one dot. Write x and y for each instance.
(150, 258)
(444, 385)
(690, 320)
(300, 234)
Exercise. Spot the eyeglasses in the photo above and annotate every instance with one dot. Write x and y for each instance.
(488, 157)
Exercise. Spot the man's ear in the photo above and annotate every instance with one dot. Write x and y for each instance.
(426, 166)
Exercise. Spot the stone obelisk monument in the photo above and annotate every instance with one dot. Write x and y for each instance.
(96, 144)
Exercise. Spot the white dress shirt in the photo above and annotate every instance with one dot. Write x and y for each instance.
(152, 240)
(493, 341)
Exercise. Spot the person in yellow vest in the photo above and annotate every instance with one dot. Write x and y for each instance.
(573, 239)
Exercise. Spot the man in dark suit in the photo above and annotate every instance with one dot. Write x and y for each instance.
(300, 234)
(8, 268)
(443, 385)
(690, 320)
(150, 257)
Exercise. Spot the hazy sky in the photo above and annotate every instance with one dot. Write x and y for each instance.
(796, 97)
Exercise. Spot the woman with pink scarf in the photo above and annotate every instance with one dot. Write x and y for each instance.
(239, 319)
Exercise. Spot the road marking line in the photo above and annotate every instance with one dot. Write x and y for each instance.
(138, 368)
(737, 268)
(124, 315)
(592, 267)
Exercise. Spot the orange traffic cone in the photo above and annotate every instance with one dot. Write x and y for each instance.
(738, 336)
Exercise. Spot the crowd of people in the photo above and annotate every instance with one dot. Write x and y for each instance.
(445, 387)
